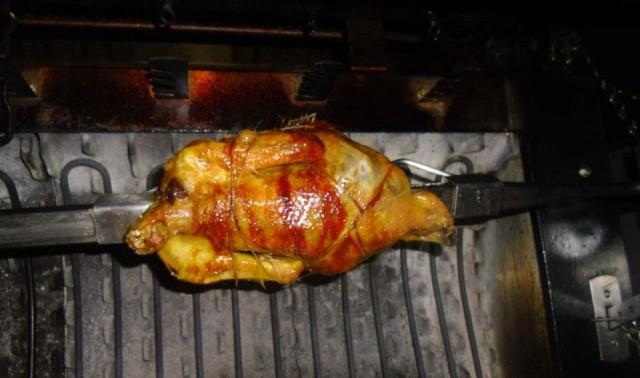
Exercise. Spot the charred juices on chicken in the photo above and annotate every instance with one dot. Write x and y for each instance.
(266, 206)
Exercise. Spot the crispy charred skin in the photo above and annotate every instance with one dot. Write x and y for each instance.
(266, 206)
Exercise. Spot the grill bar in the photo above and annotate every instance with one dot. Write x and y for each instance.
(465, 304)
(462, 281)
(157, 306)
(313, 325)
(117, 316)
(376, 318)
(197, 326)
(75, 262)
(11, 190)
(31, 317)
(346, 318)
(64, 176)
(77, 293)
(237, 346)
(77, 316)
(157, 327)
(275, 332)
(406, 289)
(442, 321)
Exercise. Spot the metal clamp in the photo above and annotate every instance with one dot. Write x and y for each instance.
(470, 197)
(421, 167)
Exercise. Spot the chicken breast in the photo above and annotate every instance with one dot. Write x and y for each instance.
(267, 206)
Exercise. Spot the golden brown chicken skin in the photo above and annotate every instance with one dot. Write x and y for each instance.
(267, 206)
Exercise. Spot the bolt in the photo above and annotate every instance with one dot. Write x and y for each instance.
(607, 293)
(585, 171)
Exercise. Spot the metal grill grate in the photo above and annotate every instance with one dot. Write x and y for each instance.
(404, 313)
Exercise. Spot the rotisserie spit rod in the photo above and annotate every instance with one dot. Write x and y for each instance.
(470, 198)
(104, 222)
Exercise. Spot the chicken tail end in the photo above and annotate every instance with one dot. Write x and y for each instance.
(434, 223)
(146, 237)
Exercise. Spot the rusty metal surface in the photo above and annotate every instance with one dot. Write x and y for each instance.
(278, 32)
(93, 99)
(207, 29)
(315, 33)
(523, 345)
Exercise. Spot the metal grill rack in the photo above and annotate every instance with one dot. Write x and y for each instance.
(404, 313)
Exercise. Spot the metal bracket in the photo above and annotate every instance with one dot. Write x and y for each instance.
(318, 83)
(17, 86)
(169, 77)
(443, 88)
(607, 310)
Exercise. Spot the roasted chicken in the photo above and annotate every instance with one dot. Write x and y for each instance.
(266, 206)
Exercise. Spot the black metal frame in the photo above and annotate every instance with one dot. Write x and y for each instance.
(564, 131)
